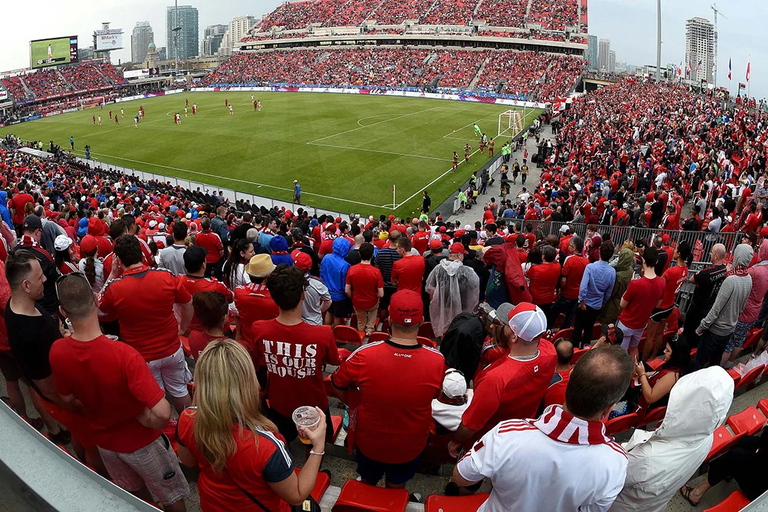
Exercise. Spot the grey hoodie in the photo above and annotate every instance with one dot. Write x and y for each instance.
(732, 297)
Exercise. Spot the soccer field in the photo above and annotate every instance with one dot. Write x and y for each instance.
(347, 151)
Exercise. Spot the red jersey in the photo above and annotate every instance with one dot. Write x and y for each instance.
(573, 271)
(294, 356)
(675, 277)
(17, 203)
(114, 384)
(259, 457)
(397, 384)
(142, 300)
(420, 241)
(198, 340)
(253, 302)
(556, 392)
(365, 281)
(642, 294)
(194, 284)
(544, 279)
(408, 273)
(211, 242)
(510, 389)
(326, 247)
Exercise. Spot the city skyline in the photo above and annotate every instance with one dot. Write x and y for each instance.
(633, 40)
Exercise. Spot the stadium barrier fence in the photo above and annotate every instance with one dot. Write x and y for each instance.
(231, 194)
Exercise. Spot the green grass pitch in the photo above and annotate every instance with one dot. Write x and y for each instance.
(347, 151)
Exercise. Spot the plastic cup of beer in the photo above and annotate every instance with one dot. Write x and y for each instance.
(308, 418)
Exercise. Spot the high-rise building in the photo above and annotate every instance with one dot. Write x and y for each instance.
(604, 57)
(612, 62)
(212, 37)
(236, 30)
(182, 25)
(140, 38)
(592, 52)
(699, 49)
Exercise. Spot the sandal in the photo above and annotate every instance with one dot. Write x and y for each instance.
(686, 492)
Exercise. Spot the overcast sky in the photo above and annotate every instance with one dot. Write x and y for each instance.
(629, 24)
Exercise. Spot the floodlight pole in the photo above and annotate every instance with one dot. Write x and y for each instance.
(658, 40)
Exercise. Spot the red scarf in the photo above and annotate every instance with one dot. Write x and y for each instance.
(564, 427)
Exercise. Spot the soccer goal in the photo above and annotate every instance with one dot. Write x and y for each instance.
(511, 123)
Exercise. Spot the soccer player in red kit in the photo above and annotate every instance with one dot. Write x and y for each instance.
(226, 102)
(467, 150)
(254, 105)
(117, 120)
(94, 120)
(397, 380)
(491, 143)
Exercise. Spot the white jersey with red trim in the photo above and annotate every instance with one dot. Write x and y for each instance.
(557, 462)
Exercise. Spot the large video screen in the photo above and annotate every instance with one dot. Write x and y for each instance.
(52, 52)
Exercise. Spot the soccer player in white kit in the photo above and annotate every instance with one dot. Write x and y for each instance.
(231, 112)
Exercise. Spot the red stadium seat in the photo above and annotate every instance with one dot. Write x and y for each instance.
(378, 336)
(359, 497)
(621, 423)
(321, 484)
(655, 363)
(426, 330)
(654, 416)
(750, 377)
(563, 333)
(733, 503)
(748, 421)
(723, 441)
(578, 353)
(347, 334)
(735, 376)
(426, 342)
(438, 503)
(762, 405)
(336, 421)
(753, 337)
(597, 331)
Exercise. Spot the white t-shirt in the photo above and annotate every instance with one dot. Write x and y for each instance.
(449, 415)
(558, 462)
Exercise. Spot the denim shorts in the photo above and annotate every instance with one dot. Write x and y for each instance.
(631, 336)
(739, 335)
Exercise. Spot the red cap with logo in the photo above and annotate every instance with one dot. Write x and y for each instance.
(458, 248)
(301, 259)
(406, 308)
(435, 244)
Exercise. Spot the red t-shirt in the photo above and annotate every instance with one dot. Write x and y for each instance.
(294, 356)
(326, 247)
(114, 384)
(198, 340)
(420, 241)
(142, 300)
(573, 271)
(675, 278)
(17, 203)
(409, 273)
(510, 389)
(544, 279)
(556, 392)
(397, 384)
(258, 459)
(365, 281)
(194, 284)
(253, 302)
(642, 295)
(211, 242)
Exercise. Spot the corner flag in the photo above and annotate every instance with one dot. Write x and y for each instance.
(478, 131)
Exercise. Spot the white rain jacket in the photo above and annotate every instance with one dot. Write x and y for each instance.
(456, 290)
(661, 462)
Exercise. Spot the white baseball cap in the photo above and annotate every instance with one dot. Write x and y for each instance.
(152, 224)
(454, 384)
(62, 243)
(527, 321)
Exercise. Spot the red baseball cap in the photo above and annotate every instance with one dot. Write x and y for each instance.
(301, 260)
(458, 248)
(435, 244)
(459, 233)
(764, 232)
(443, 229)
(665, 238)
(88, 244)
(406, 308)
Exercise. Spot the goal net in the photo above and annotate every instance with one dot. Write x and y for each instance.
(510, 123)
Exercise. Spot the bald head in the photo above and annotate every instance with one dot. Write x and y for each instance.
(598, 381)
(718, 253)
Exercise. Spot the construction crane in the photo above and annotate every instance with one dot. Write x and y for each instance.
(717, 13)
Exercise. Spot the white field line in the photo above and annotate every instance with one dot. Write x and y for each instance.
(457, 129)
(380, 151)
(233, 179)
(370, 125)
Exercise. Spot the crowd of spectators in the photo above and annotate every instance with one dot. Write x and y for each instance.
(630, 154)
(451, 12)
(47, 82)
(395, 12)
(15, 87)
(527, 74)
(502, 13)
(64, 80)
(554, 15)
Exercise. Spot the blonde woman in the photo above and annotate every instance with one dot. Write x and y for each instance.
(244, 463)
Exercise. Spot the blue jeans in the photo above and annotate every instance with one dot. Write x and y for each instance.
(711, 348)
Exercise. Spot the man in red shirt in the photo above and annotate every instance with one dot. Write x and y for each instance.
(142, 299)
(408, 271)
(253, 301)
(365, 285)
(544, 280)
(116, 392)
(397, 381)
(570, 281)
(195, 281)
(420, 239)
(211, 242)
(641, 298)
(556, 391)
(512, 386)
(293, 354)
(17, 203)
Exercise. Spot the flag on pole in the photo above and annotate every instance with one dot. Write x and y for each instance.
(478, 131)
(698, 66)
(748, 66)
(729, 68)
(689, 68)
